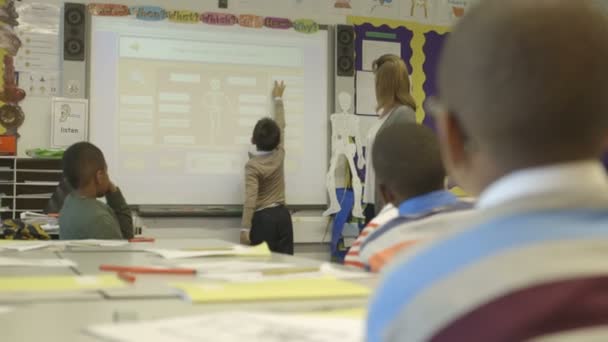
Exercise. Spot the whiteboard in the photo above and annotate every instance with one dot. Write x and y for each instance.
(173, 106)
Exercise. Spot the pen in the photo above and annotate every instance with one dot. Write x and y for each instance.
(129, 278)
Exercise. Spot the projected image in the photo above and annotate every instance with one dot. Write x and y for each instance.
(179, 105)
(204, 107)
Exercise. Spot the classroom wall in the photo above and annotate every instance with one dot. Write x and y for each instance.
(35, 132)
(311, 230)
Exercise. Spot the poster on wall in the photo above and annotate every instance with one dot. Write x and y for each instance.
(69, 121)
(38, 60)
(450, 11)
(419, 10)
(382, 8)
(374, 49)
(371, 42)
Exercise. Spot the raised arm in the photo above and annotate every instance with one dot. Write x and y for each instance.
(279, 109)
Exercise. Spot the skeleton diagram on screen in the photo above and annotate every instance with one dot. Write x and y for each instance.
(343, 127)
(216, 104)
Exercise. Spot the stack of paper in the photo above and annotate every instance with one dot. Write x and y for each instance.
(49, 224)
(37, 262)
(236, 274)
(6, 309)
(22, 246)
(50, 228)
(42, 284)
(96, 243)
(257, 251)
(306, 288)
(236, 327)
(209, 266)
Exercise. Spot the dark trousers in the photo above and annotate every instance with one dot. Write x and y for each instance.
(274, 226)
(369, 213)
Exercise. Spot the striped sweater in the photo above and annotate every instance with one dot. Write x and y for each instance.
(405, 235)
(411, 210)
(352, 259)
(528, 269)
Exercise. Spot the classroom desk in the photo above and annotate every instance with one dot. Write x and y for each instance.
(32, 270)
(40, 271)
(66, 321)
(64, 318)
(149, 286)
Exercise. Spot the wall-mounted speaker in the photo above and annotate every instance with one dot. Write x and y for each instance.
(345, 51)
(74, 32)
(75, 24)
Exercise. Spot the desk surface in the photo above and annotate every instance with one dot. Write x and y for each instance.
(63, 317)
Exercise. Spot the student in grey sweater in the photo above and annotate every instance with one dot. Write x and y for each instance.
(82, 215)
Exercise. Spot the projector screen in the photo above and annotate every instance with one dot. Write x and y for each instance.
(173, 107)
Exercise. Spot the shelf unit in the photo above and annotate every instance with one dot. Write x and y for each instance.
(17, 192)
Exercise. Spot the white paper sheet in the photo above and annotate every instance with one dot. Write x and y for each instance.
(6, 309)
(326, 269)
(232, 266)
(24, 246)
(38, 60)
(366, 93)
(230, 251)
(37, 262)
(97, 243)
(251, 327)
(373, 49)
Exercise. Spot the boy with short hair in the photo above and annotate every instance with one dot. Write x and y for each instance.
(522, 125)
(265, 217)
(82, 215)
(410, 176)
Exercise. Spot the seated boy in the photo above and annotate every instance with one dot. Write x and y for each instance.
(522, 127)
(413, 182)
(82, 215)
(265, 217)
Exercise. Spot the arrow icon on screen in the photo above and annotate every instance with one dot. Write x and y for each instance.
(134, 46)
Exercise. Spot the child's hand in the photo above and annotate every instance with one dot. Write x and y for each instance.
(112, 187)
(245, 237)
(278, 90)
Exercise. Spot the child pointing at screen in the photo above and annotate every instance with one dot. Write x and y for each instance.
(265, 217)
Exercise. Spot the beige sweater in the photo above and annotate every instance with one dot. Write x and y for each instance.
(265, 175)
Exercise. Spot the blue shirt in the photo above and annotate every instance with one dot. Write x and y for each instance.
(419, 207)
(427, 202)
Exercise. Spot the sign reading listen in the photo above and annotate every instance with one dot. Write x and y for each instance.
(69, 122)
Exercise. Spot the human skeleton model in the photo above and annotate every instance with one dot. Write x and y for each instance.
(420, 3)
(215, 102)
(344, 126)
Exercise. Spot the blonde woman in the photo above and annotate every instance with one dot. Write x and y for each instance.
(395, 105)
